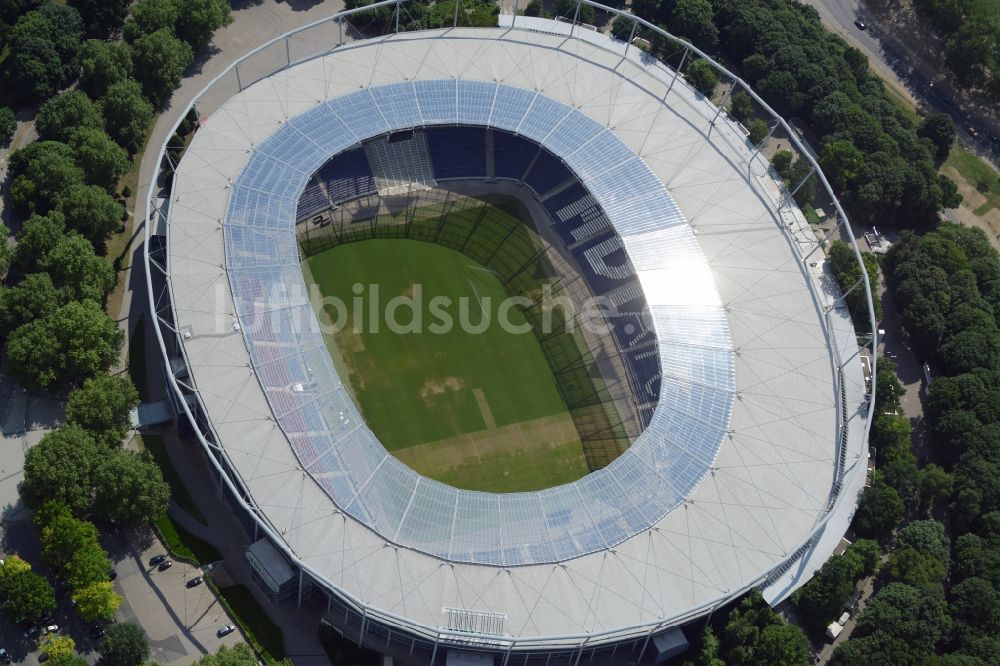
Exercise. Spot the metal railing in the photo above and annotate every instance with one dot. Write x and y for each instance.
(317, 39)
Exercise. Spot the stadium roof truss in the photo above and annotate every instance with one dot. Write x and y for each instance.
(762, 420)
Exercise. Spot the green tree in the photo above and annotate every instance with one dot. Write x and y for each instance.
(841, 161)
(757, 130)
(198, 19)
(782, 162)
(621, 27)
(124, 645)
(149, 16)
(43, 170)
(927, 536)
(880, 509)
(918, 618)
(917, 569)
(101, 17)
(62, 535)
(102, 406)
(88, 566)
(741, 107)
(702, 76)
(103, 161)
(42, 55)
(940, 129)
(38, 236)
(975, 606)
(708, 653)
(8, 124)
(32, 298)
(13, 566)
(61, 116)
(160, 59)
(889, 390)
(73, 264)
(783, 645)
(692, 19)
(236, 655)
(75, 342)
(61, 468)
(130, 488)
(102, 65)
(91, 211)
(97, 601)
(976, 557)
(820, 600)
(58, 647)
(127, 113)
(6, 251)
(29, 596)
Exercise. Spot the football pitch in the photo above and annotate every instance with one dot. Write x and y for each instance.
(469, 405)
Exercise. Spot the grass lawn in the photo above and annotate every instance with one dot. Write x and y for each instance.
(178, 492)
(184, 544)
(264, 635)
(475, 409)
(978, 174)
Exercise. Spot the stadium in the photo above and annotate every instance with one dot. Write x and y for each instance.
(708, 438)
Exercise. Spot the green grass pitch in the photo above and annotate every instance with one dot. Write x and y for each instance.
(475, 410)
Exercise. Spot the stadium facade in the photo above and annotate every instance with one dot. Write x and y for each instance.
(753, 448)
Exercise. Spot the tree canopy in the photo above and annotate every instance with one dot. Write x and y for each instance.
(103, 406)
(8, 124)
(130, 488)
(44, 45)
(42, 171)
(103, 161)
(124, 645)
(101, 17)
(32, 298)
(160, 59)
(64, 114)
(91, 211)
(127, 113)
(76, 341)
(61, 468)
(102, 64)
(28, 595)
(97, 601)
(236, 655)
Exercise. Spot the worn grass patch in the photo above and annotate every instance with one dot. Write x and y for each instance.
(977, 175)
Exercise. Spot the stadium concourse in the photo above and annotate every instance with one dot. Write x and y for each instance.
(750, 466)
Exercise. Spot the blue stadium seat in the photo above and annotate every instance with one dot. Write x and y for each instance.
(347, 175)
(457, 152)
(311, 201)
(512, 155)
(547, 172)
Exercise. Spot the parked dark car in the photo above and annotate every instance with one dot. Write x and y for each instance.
(195, 582)
(157, 559)
(164, 565)
(225, 631)
(861, 24)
